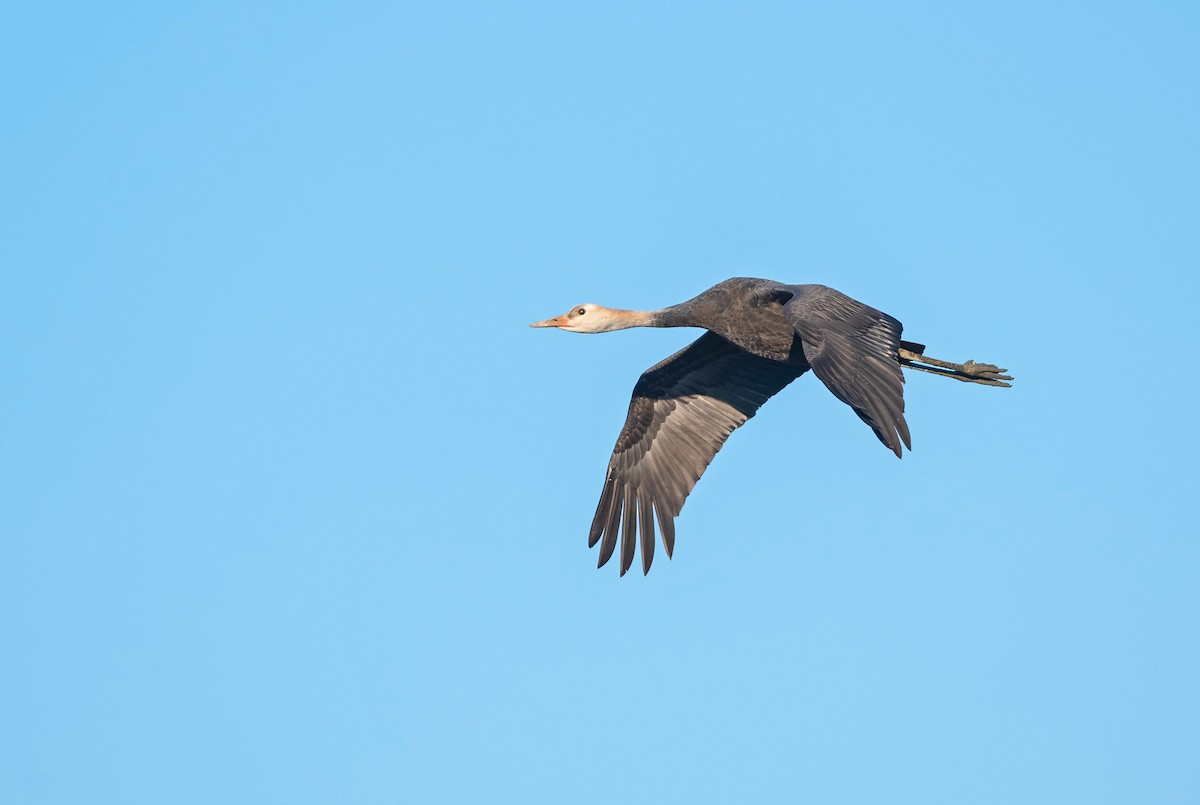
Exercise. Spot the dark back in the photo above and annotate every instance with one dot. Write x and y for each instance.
(749, 313)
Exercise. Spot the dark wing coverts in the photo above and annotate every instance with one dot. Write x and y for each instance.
(683, 410)
(854, 350)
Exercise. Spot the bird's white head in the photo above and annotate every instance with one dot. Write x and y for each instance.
(589, 318)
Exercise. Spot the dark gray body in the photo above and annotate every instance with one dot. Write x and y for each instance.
(748, 313)
(761, 336)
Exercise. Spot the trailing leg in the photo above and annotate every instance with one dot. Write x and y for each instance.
(969, 372)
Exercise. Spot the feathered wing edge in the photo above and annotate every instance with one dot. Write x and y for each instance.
(683, 409)
(854, 350)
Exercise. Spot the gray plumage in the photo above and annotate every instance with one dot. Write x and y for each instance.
(761, 336)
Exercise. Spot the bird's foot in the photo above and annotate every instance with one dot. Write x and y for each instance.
(986, 371)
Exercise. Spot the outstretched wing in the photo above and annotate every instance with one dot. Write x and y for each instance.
(853, 349)
(682, 411)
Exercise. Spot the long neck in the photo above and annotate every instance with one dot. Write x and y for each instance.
(617, 319)
(673, 316)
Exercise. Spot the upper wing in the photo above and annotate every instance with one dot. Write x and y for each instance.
(682, 411)
(853, 349)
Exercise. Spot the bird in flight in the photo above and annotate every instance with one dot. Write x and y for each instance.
(761, 335)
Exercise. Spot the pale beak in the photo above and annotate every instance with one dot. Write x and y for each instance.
(557, 321)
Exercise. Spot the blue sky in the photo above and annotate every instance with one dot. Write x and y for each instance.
(295, 504)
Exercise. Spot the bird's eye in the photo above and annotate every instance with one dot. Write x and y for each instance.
(580, 312)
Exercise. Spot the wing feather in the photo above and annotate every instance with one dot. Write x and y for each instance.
(683, 409)
(646, 509)
(854, 350)
(609, 540)
(629, 529)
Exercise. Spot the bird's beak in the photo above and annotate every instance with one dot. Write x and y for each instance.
(557, 321)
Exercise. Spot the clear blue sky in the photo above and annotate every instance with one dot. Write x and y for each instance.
(294, 504)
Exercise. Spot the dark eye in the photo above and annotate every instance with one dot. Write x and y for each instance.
(581, 311)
